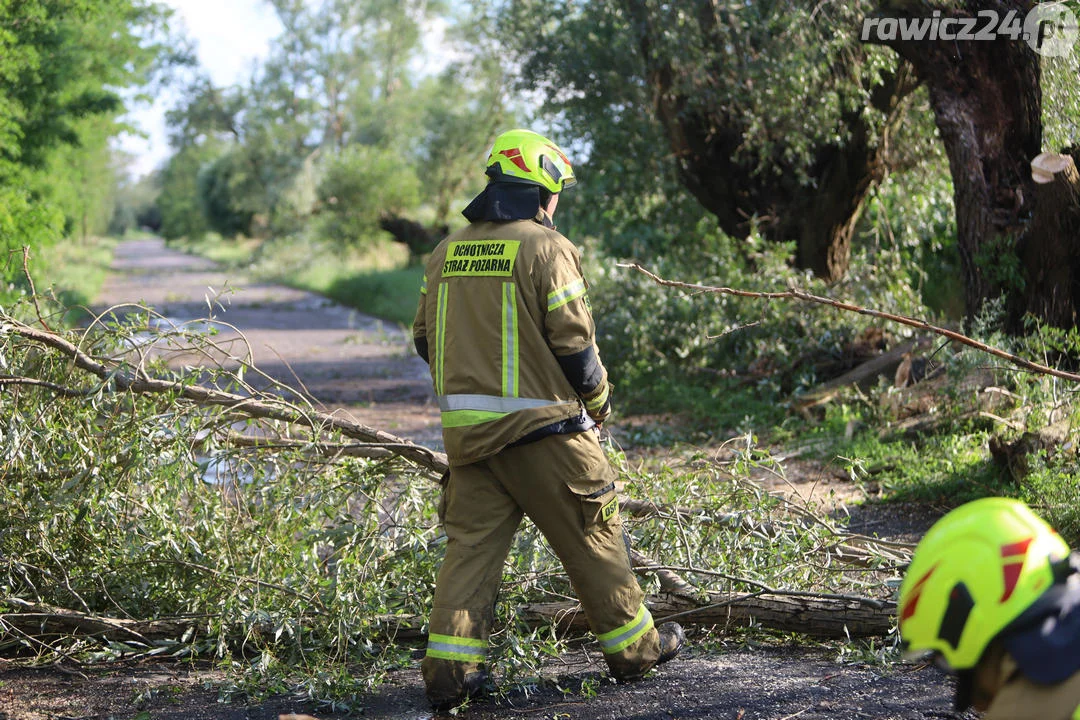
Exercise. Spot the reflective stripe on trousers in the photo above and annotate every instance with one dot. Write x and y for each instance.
(623, 637)
(449, 647)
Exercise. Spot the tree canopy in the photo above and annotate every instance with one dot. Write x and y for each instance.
(63, 65)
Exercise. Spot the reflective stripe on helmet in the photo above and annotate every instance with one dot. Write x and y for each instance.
(623, 637)
(525, 157)
(973, 573)
(450, 647)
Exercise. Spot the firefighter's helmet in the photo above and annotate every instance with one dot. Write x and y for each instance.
(974, 572)
(523, 156)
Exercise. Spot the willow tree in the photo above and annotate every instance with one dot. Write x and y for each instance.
(1017, 226)
(776, 117)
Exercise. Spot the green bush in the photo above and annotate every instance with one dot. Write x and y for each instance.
(732, 360)
(224, 189)
(360, 185)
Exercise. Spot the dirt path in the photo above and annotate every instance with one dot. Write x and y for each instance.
(345, 360)
(355, 363)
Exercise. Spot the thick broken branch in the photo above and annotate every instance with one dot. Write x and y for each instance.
(796, 294)
(825, 617)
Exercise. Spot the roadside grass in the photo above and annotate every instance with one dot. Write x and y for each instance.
(952, 463)
(376, 280)
(389, 294)
(73, 270)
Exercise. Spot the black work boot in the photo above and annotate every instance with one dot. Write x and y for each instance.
(672, 639)
(474, 685)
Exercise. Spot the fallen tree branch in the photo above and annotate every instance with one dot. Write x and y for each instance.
(816, 616)
(371, 451)
(850, 547)
(16, 381)
(118, 378)
(44, 625)
(794, 293)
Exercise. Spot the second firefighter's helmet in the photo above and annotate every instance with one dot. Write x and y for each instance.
(974, 572)
(526, 157)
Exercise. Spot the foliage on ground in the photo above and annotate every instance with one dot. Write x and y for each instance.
(290, 562)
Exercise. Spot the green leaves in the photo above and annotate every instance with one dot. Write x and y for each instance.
(61, 65)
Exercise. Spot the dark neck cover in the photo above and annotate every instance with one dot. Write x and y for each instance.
(502, 202)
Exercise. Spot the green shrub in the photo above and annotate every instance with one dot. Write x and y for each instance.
(735, 360)
(360, 185)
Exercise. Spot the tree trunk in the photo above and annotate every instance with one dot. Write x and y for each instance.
(987, 103)
(419, 239)
(815, 616)
(818, 212)
(1052, 291)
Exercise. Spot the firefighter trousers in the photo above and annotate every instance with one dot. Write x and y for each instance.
(566, 486)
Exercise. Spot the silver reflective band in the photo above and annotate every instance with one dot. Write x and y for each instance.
(563, 295)
(457, 649)
(490, 403)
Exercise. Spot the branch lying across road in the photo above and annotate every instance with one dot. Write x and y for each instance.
(119, 377)
(794, 293)
(91, 373)
(818, 615)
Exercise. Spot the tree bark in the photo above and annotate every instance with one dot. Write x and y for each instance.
(987, 103)
(1052, 291)
(823, 617)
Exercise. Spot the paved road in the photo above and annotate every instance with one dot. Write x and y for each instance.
(345, 360)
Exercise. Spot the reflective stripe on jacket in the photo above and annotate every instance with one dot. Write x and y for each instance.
(501, 301)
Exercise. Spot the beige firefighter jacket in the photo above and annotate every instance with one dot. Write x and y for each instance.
(500, 301)
(1001, 692)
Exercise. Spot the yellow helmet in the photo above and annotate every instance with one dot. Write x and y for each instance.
(974, 572)
(523, 156)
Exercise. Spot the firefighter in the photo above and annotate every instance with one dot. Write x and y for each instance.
(505, 325)
(993, 595)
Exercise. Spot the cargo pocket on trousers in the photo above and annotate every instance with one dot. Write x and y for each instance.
(599, 502)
